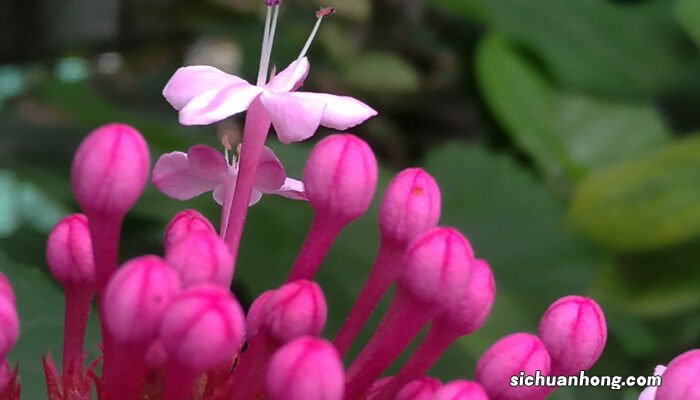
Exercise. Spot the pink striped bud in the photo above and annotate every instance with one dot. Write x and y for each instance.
(203, 328)
(69, 253)
(340, 177)
(410, 206)
(201, 257)
(256, 312)
(6, 289)
(295, 309)
(511, 355)
(136, 299)
(184, 223)
(306, 368)
(9, 325)
(460, 390)
(110, 170)
(419, 389)
(438, 266)
(681, 380)
(574, 332)
(474, 307)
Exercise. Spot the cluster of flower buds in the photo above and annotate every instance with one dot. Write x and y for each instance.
(171, 328)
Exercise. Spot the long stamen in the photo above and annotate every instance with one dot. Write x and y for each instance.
(264, 53)
(324, 12)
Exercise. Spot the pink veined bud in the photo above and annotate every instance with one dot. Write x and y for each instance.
(472, 310)
(680, 380)
(136, 299)
(340, 177)
(508, 357)
(110, 170)
(574, 332)
(460, 390)
(438, 267)
(419, 389)
(69, 253)
(203, 328)
(410, 206)
(6, 288)
(295, 309)
(9, 325)
(306, 368)
(256, 312)
(201, 257)
(184, 223)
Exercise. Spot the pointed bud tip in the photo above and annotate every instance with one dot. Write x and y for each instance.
(69, 253)
(201, 257)
(306, 368)
(184, 223)
(295, 309)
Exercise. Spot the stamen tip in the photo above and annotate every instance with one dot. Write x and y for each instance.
(271, 3)
(324, 12)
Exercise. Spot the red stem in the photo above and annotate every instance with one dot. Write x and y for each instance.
(77, 310)
(179, 382)
(383, 273)
(403, 321)
(425, 356)
(124, 375)
(249, 376)
(322, 234)
(257, 125)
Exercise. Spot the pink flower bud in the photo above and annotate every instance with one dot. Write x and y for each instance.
(419, 389)
(410, 206)
(306, 368)
(256, 312)
(438, 266)
(295, 309)
(574, 332)
(184, 223)
(9, 325)
(110, 170)
(511, 355)
(136, 299)
(681, 380)
(5, 288)
(204, 328)
(340, 177)
(201, 257)
(69, 253)
(471, 311)
(460, 390)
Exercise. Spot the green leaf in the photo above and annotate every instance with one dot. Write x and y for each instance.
(595, 44)
(649, 202)
(381, 73)
(688, 13)
(565, 133)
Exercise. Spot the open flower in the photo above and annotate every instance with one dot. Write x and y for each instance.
(650, 392)
(205, 95)
(183, 176)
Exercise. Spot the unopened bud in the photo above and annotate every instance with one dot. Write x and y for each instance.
(460, 390)
(256, 312)
(295, 309)
(306, 368)
(9, 325)
(508, 357)
(438, 267)
(69, 253)
(410, 206)
(340, 177)
(470, 312)
(419, 389)
(136, 299)
(110, 170)
(203, 328)
(574, 332)
(680, 380)
(201, 257)
(184, 223)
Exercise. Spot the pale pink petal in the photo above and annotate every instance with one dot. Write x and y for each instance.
(255, 197)
(648, 394)
(173, 176)
(294, 118)
(206, 162)
(291, 78)
(292, 189)
(189, 82)
(342, 112)
(218, 195)
(216, 105)
(270, 174)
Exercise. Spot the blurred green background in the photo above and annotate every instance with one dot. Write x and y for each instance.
(561, 132)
